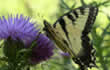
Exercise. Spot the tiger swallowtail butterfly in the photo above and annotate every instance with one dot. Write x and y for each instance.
(70, 34)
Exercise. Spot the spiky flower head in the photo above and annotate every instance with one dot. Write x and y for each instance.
(43, 51)
(17, 27)
(21, 28)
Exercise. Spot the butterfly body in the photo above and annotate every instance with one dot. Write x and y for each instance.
(70, 33)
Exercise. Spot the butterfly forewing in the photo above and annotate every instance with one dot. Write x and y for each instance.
(71, 26)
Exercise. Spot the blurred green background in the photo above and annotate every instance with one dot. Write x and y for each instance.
(51, 10)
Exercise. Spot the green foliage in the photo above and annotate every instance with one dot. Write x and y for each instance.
(51, 10)
(102, 46)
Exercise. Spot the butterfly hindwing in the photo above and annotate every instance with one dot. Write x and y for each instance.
(71, 33)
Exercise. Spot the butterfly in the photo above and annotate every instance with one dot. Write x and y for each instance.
(70, 34)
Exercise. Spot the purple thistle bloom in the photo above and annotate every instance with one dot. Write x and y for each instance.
(17, 27)
(20, 27)
(43, 51)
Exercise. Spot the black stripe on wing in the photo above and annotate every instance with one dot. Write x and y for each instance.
(88, 60)
(82, 10)
(75, 13)
(72, 15)
(63, 26)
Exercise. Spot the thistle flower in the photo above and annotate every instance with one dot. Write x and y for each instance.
(43, 51)
(17, 27)
(20, 27)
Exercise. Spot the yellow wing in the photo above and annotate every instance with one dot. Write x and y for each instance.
(70, 33)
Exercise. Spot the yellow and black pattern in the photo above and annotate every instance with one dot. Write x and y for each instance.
(70, 33)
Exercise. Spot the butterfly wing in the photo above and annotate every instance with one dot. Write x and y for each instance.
(55, 36)
(71, 33)
(74, 27)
